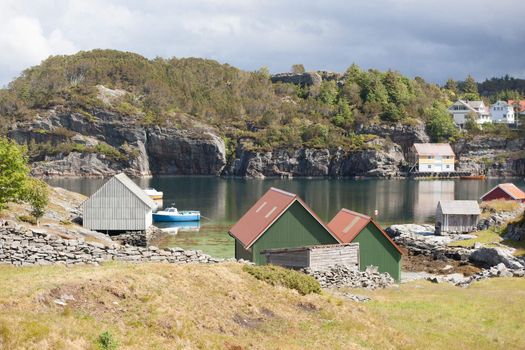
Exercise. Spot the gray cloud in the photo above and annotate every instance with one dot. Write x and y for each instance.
(432, 39)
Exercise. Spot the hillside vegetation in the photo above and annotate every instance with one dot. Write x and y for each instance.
(161, 306)
(239, 104)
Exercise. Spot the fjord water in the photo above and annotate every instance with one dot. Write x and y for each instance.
(222, 201)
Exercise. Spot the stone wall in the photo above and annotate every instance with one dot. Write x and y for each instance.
(349, 276)
(20, 246)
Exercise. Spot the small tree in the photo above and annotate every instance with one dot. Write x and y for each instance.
(298, 69)
(440, 125)
(470, 123)
(470, 85)
(36, 193)
(13, 171)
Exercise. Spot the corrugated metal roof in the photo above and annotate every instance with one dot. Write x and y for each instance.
(264, 213)
(459, 207)
(347, 225)
(433, 149)
(509, 188)
(137, 191)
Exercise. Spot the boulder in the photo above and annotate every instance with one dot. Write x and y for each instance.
(494, 256)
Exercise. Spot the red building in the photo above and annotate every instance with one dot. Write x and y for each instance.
(506, 191)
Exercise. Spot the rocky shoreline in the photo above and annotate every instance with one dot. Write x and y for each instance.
(20, 246)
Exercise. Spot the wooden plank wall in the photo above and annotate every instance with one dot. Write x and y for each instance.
(115, 208)
(316, 257)
(294, 259)
(335, 255)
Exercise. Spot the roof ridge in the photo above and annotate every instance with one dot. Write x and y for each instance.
(283, 192)
(364, 216)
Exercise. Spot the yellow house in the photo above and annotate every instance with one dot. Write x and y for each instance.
(433, 157)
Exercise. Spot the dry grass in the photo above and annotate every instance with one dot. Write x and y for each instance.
(161, 306)
(497, 206)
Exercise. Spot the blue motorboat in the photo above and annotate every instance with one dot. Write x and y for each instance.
(172, 215)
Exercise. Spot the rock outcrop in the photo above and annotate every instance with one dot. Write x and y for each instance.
(379, 159)
(107, 143)
(493, 156)
(403, 135)
(307, 78)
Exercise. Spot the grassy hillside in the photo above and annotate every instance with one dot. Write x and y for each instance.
(159, 306)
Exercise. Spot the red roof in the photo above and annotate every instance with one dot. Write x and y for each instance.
(264, 213)
(510, 189)
(347, 225)
(521, 104)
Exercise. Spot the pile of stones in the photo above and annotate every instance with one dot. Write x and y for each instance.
(500, 218)
(349, 276)
(21, 246)
(499, 270)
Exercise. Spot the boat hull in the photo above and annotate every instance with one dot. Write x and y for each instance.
(473, 177)
(176, 218)
(155, 197)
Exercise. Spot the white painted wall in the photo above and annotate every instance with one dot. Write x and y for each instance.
(501, 112)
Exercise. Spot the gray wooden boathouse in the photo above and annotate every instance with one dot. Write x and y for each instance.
(457, 216)
(119, 205)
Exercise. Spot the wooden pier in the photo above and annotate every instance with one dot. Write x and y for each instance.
(438, 174)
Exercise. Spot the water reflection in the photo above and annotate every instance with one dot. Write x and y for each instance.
(176, 227)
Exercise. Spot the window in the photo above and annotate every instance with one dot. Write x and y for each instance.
(429, 166)
(448, 166)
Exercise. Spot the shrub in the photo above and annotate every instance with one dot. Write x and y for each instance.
(276, 275)
(28, 218)
(107, 342)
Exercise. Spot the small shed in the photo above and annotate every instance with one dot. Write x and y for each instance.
(279, 219)
(315, 257)
(119, 205)
(457, 216)
(505, 191)
(376, 248)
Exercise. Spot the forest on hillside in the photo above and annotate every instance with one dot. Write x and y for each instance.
(193, 92)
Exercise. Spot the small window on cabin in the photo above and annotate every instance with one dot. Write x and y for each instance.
(448, 166)
(429, 166)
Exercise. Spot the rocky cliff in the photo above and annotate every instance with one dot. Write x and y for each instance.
(65, 143)
(493, 156)
(379, 159)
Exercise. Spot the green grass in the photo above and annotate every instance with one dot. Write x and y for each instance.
(486, 315)
(486, 237)
(163, 306)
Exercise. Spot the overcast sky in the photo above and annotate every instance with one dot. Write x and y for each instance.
(433, 39)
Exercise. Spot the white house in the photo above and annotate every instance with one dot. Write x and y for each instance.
(502, 112)
(461, 109)
(119, 205)
(432, 157)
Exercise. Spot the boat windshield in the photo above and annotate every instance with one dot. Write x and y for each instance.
(171, 210)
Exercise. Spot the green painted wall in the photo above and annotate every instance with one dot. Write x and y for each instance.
(241, 253)
(295, 228)
(375, 249)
